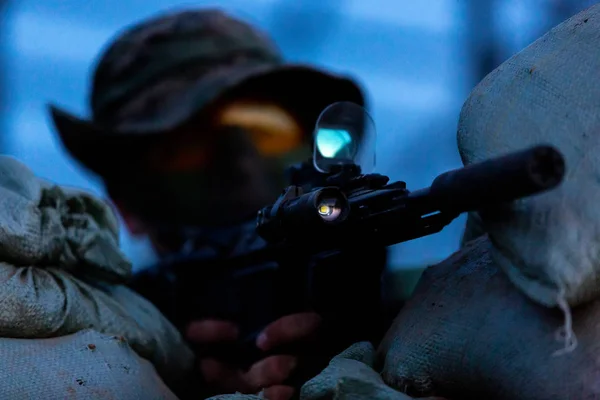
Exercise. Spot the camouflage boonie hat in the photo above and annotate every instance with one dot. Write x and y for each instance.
(158, 74)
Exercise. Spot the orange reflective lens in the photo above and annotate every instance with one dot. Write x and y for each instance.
(273, 130)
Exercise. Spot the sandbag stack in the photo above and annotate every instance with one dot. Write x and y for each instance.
(69, 327)
(514, 314)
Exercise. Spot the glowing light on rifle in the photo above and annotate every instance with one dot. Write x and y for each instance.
(331, 141)
(331, 209)
(325, 210)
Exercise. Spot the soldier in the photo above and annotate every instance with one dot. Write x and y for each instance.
(167, 96)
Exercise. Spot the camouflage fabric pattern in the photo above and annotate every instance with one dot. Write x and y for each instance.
(168, 71)
(153, 64)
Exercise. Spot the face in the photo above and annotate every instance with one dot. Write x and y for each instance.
(219, 172)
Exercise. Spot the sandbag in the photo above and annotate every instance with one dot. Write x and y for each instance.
(514, 315)
(83, 366)
(469, 333)
(61, 271)
(548, 245)
(351, 375)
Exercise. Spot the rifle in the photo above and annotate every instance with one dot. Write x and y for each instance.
(315, 246)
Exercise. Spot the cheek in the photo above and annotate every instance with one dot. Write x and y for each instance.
(188, 161)
(177, 156)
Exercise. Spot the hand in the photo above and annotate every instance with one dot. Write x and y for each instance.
(269, 373)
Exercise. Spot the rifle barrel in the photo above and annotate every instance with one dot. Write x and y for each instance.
(494, 181)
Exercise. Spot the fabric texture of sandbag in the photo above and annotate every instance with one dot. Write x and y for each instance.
(351, 375)
(486, 323)
(468, 333)
(549, 245)
(84, 366)
(61, 271)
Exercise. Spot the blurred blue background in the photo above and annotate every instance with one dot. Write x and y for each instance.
(418, 60)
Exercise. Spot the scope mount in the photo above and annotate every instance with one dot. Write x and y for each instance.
(347, 176)
(349, 179)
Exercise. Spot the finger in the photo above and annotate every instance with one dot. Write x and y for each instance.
(270, 371)
(211, 331)
(221, 376)
(279, 392)
(288, 329)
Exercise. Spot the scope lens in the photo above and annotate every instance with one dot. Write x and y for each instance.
(332, 143)
(329, 210)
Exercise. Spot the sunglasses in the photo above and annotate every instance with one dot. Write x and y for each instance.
(273, 132)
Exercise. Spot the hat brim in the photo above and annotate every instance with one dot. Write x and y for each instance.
(305, 89)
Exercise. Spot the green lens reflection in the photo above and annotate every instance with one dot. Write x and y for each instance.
(330, 142)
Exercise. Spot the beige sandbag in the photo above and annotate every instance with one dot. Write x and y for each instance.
(469, 333)
(471, 330)
(83, 366)
(548, 245)
(61, 271)
(351, 375)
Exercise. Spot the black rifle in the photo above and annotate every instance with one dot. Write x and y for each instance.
(314, 248)
(352, 209)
